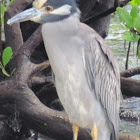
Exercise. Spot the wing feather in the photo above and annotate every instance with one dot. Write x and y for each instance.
(103, 77)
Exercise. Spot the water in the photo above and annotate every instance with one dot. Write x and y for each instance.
(130, 128)
(130, 111)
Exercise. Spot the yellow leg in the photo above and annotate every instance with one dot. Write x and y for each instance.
(94, 133)
(75, 129)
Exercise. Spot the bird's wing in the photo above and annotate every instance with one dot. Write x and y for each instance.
(103, 76)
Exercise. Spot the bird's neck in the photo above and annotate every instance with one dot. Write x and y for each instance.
(67, 25)
(58, 38)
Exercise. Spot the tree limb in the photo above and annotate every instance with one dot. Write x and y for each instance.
(130, 87)
(130, 72)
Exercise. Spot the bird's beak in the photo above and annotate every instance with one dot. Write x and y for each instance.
(24, 16)
(35, 14)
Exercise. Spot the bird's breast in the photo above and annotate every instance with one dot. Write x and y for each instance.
(63, 49)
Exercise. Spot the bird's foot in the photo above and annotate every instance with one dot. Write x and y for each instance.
(75, 129)
(94, 133)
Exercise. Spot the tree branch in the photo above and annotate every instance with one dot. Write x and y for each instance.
(130, 72)
(33, 41)
(130, 87)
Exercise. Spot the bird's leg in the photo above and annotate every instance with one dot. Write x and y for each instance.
(94, 133)
(75, 129)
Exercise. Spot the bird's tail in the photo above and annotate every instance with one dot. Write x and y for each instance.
(114, 133)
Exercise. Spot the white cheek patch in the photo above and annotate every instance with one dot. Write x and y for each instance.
(63, 10)
(36, 18)
(39, 3)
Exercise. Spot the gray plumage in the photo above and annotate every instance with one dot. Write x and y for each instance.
(86, 73)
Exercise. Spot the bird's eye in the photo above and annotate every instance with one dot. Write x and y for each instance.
(49, 8)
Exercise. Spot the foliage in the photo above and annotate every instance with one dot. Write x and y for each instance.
(131, 21)
(130, 36)
(133, 2)
(3, 8)
(7, 52)
(6, 57)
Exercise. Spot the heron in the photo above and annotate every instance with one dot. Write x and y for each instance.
(86, 72)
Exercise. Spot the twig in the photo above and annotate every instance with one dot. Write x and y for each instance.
(123, 3)
(138, 45)
(127, 58)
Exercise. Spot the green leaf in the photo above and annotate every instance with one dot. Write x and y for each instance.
(125, 17)
(2, 10)
(134, 11)
(133, 2)
(137, 23)
(130, 36)
(5, 72)
(6, 55)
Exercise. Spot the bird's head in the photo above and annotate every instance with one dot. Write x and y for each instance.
(46, 11)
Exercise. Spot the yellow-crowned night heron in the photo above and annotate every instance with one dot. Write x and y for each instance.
(86, 73)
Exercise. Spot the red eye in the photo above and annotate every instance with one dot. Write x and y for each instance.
(49, 8)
